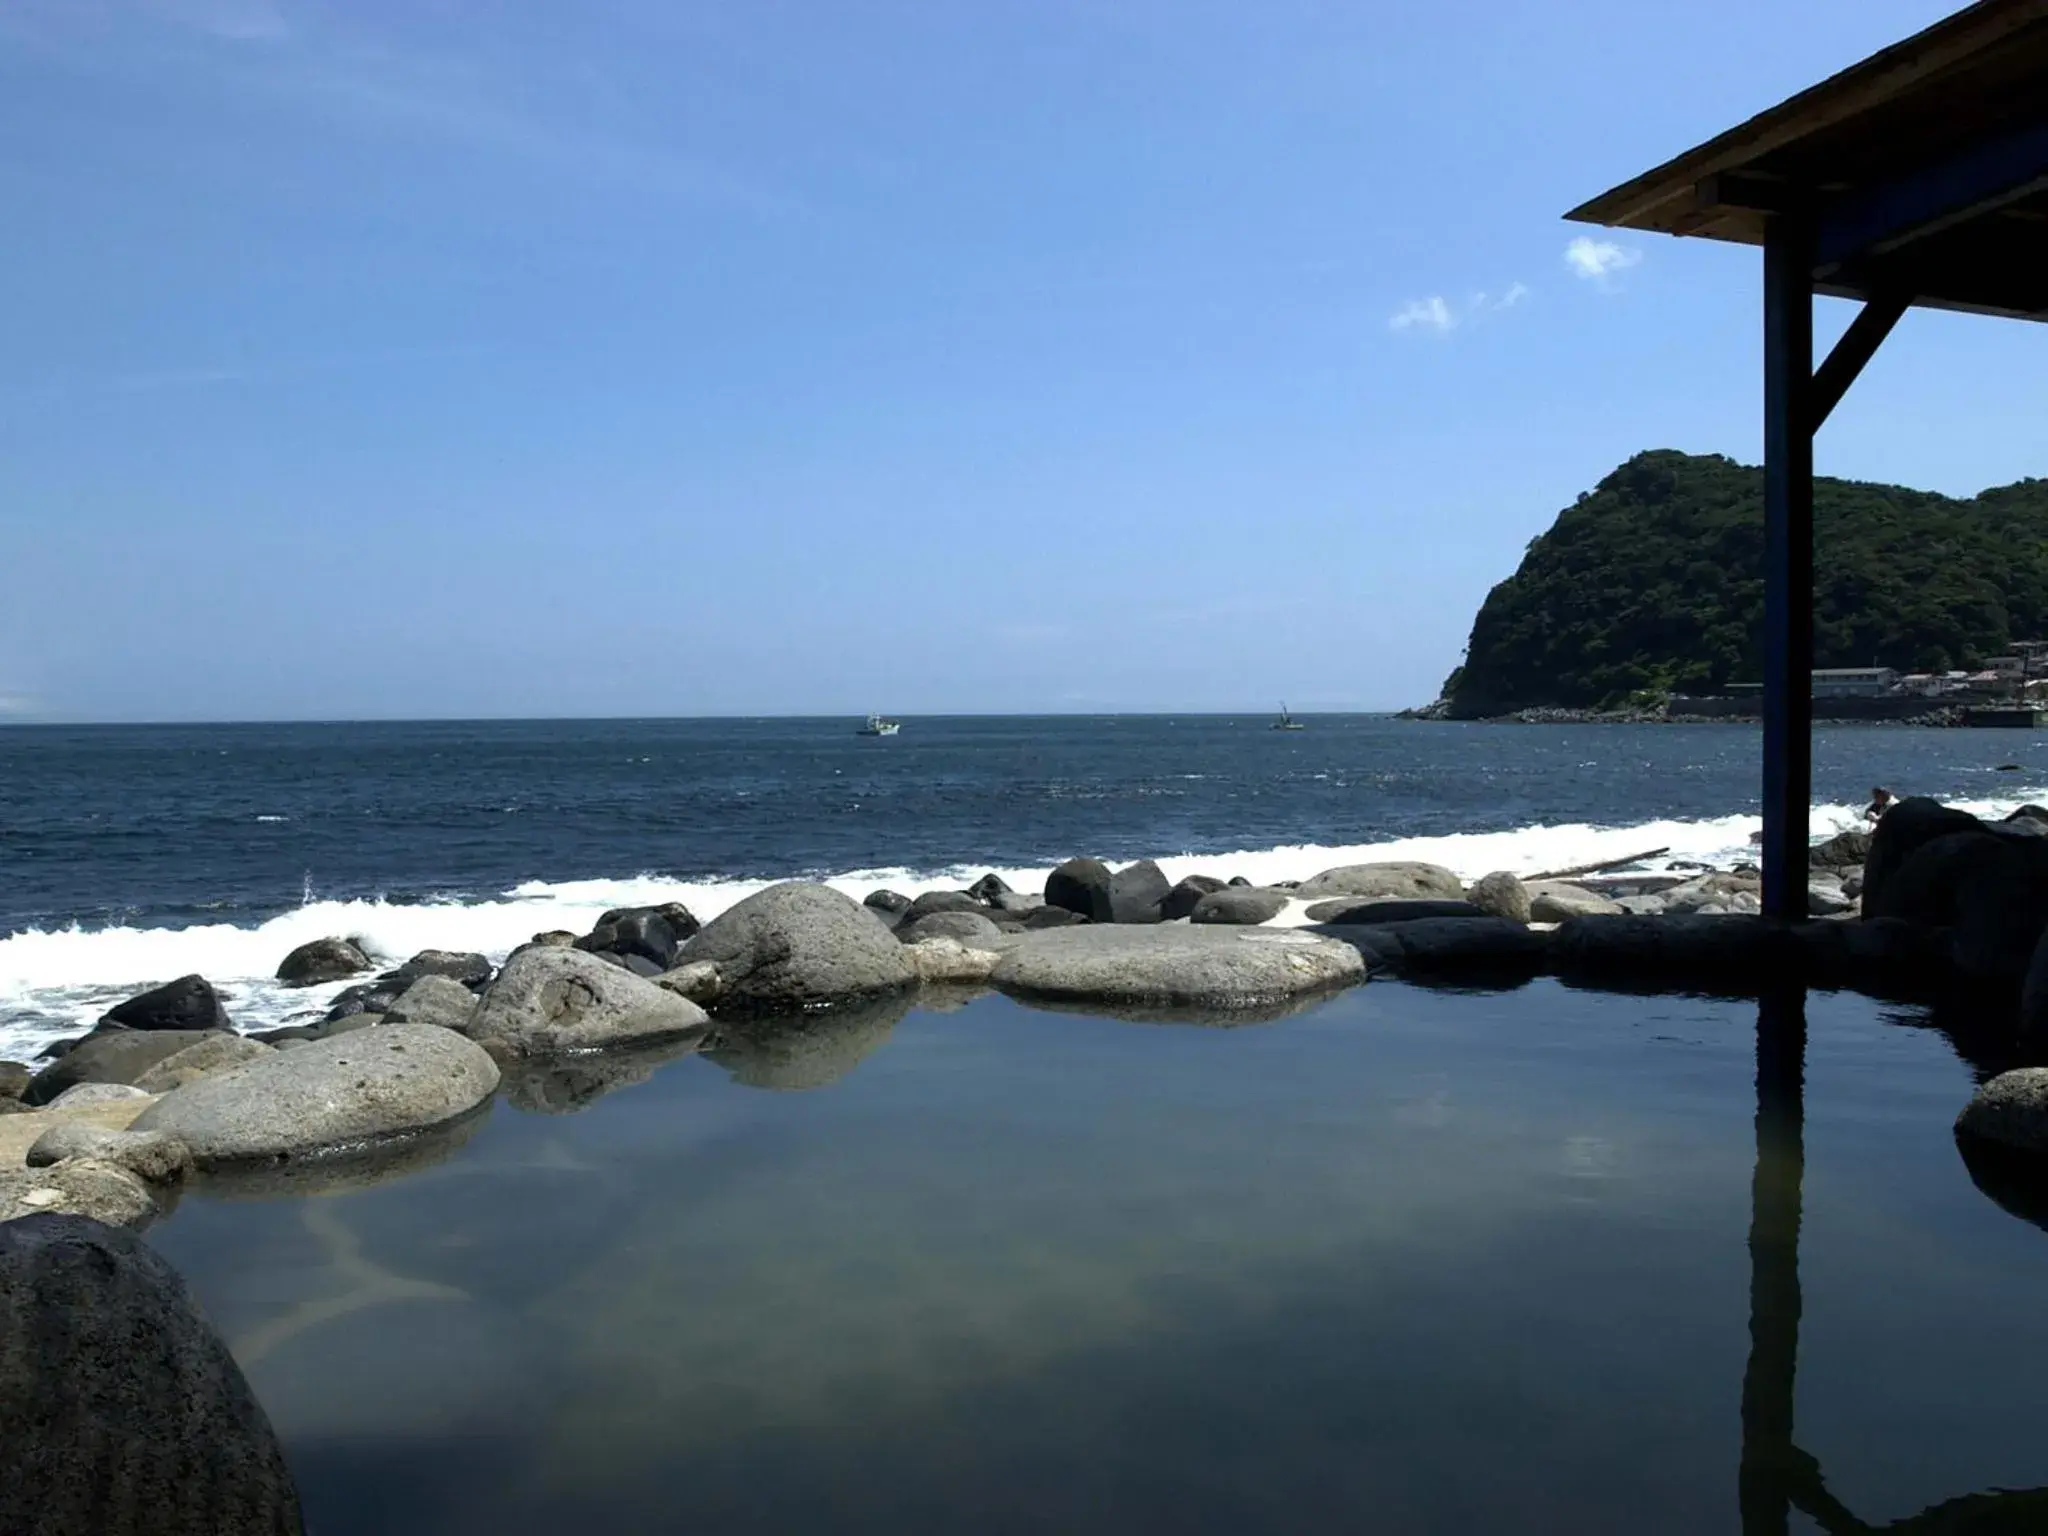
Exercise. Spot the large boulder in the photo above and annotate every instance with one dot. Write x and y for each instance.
(1555, 902)
(320, 961)
(931, 903)
(1500, 894)
(1904, 827)
(888, 903)
(548, 1001)
(469, 968)
(796, 947)
(2011, 1110)
(437, 1000)
(1180, 901)
(110, 1054)
(1989, 888)
(187, 1003)
(698, 981)
(968, 927)
(326, 1095)
(1390, 881)
(1349, 909)
(1219, 968)
(1241, 907)
(1051, 917)
(653, 934)
(1688, 951)
(125, 1413)
(989, 887)
(1081, 886)
(1843, 851)
(1138, 892)
(948, 962)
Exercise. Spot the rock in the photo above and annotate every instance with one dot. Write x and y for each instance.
(14, 1079)
(638, 965)
(554, 938)
(1485, 947)
(1349, 909)
(698, 981)
(2010, 1110)
(187, 1003)
(989, 887)
(933, 902)
(1180, 901)
(887, 901)
(211, 1053)
(1642, 906)
(1393, 881)
(2034, 993)
(126, 1415)
(1014, 902)
(1245, 908)
(1677, 950)
(1990, 890)
(95, 1093)
(2038, 814)
(1883, 957)
(968, 927)
(1852, 885)
(471, 970)
(548, 1001)
(1051, 917)
(1137, 893)
(1500, 895)
(947, 961)
(1827, 901)
(322, 960)
(437, 1000)
(1722, 889)
(328, 1094)
(1906, 826)
(1277, 885)
(1210, 967)
(1081, 886)
(110, 1054)
(1845, 850)
(1552, 902)
(654, 934)
(796, 947)
(368, 997)
(82, 1187)
(149, 1155)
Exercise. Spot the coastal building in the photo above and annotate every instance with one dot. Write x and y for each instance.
(1853, 682)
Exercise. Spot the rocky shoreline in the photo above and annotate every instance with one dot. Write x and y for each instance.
(1946, 718)
(1936, 903)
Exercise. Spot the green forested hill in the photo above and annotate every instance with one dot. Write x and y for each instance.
(1653, 582)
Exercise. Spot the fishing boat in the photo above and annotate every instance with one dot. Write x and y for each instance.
(1287, 722)
(877, 726)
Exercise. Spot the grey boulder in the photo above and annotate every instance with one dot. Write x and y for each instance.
(110, 1054)
(1500, 894)
(149, 1155)
(1239, 906)
(1553, 902)
(322, 960)
(967, 927)
(1349, 909)
(81, 1187)
(945, 961)
(2010, 1110)
(1180, 901)
(1389, 881)
(126, 1414)
(1081, 886)
(1218, 968)
(547, 1001)
(438, 1000)
(328, 1095)
(82, 1094)
(209, 1053)
(796, 947)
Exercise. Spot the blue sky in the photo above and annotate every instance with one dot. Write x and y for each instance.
(638, 357)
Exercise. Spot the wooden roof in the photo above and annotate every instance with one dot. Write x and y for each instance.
(1924, 168)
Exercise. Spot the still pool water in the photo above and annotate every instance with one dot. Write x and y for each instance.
(1411, 1261)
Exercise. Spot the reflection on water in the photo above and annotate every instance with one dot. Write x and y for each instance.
(1409, 1261)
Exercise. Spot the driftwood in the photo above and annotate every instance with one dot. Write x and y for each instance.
(1601, 867)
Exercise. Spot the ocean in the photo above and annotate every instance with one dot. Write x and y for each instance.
(133, 854)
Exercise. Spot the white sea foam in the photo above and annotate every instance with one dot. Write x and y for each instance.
(56, 983)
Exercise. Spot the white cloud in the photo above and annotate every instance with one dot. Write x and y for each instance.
(1436, 315)
(1430, 314)
(1598, 260)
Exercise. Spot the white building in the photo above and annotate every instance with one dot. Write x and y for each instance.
(1853, 682)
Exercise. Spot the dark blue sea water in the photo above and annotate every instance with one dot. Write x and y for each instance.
(130, 854)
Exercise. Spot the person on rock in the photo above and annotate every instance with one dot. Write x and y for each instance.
(1881, 800)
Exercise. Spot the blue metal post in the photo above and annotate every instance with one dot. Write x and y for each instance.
(1788, 562)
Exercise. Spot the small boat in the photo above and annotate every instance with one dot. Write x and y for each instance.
(1287, 722)
(877, 726)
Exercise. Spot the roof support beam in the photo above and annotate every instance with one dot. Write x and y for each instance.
(1881, 218)
(1788, 564)
(1856, 347)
